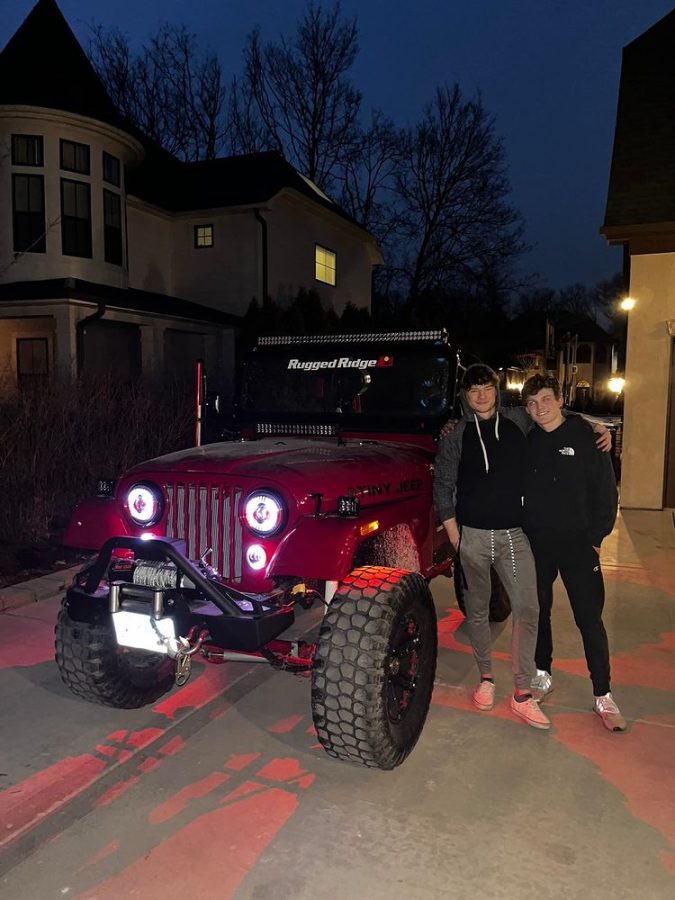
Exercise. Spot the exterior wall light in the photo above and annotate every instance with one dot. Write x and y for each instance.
(627, 304)
(616, 385)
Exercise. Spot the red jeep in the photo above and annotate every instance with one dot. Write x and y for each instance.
(326, 497)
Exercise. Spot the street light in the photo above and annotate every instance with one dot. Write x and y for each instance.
(627, 304)
(616, 385)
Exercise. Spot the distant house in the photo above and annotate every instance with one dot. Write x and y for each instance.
(114, 253)
(574, 348)
(640, 215)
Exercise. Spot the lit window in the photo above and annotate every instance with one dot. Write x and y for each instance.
(75, 157)
(324, 264)
(27, 150)
(203, 236)
(111, 169)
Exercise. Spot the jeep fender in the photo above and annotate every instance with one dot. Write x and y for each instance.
(323, 547)
(93, 522)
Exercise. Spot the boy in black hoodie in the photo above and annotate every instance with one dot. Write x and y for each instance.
(570, 506)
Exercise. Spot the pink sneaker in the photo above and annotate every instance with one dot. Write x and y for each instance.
(610, 714)
(530, 712)
(484, 695)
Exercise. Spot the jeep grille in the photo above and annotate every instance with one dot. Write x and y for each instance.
(205, 515)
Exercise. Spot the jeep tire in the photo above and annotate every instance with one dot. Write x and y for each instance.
(374, 666)
(95, 668)
(500, 605)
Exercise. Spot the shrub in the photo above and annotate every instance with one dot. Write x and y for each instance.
(58, 437)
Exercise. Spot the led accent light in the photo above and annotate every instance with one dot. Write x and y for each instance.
(256, 557)
(368, 528)
(144, 502)
(264, 513)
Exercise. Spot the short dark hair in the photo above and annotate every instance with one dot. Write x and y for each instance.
(537, 383)
(479, 374)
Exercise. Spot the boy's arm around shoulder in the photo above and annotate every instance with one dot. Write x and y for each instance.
(446, 468)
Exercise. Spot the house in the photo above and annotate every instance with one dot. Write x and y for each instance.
(640, 215)
(574, 348)
(115, 253)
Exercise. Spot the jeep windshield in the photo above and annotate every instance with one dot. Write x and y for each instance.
(344, 381)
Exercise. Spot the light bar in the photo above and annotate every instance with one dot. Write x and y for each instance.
(439, 334)
(315, 430)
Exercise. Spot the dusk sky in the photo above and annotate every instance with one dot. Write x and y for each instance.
(548, 71)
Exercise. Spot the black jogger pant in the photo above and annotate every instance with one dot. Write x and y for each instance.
(572, 555)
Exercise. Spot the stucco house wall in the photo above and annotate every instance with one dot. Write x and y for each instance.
(652, 285)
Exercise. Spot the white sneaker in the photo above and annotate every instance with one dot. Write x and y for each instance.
(610, 714)
(484, 695)
(541, 684)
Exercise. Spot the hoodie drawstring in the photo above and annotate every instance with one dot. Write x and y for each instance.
(511, 550)
(480, 438)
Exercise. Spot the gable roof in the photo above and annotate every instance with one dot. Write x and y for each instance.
(44, 65)
(642, 177)
(248, 179)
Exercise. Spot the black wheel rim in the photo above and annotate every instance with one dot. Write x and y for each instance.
(402, 668)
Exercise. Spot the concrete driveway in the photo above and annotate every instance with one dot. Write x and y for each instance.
(221, 790)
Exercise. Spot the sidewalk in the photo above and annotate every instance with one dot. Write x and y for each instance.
(44, 588)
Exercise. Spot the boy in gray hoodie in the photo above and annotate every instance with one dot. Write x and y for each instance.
(478, 485)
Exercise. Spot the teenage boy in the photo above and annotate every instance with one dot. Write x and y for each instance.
(478, 486)
(570, 506)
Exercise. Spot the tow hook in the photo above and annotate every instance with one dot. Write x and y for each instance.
(182, 651)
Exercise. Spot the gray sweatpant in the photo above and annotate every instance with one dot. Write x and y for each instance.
(508, 550)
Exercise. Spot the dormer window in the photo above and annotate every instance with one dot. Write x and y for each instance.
(75, 157)
(203, 236)
(27, 150)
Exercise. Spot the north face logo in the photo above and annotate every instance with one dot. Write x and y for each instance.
(566, 451)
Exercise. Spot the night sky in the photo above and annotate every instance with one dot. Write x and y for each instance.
(548, 70)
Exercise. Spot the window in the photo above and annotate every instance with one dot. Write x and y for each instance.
(203, 236)
(324, 264)
(75, 157)
(111, 169)
(112, 227)
(32, 361)
(27, 150)
(75, 218)
(584, 353)
(28, 206)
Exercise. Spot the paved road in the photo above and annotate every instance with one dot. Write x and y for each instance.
(220, 790)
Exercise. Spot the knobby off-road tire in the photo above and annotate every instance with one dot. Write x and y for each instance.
(500, 605)
(95, 668)
(374, 667)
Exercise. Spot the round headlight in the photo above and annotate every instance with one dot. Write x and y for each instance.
(264, 513)
(144, 502)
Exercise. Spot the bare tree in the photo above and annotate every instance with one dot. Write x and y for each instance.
(452, 188)
(306, 103)
(169, 89)
(368, 176)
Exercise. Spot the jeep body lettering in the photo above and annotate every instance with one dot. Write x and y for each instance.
(344, 362)
(408, 484)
